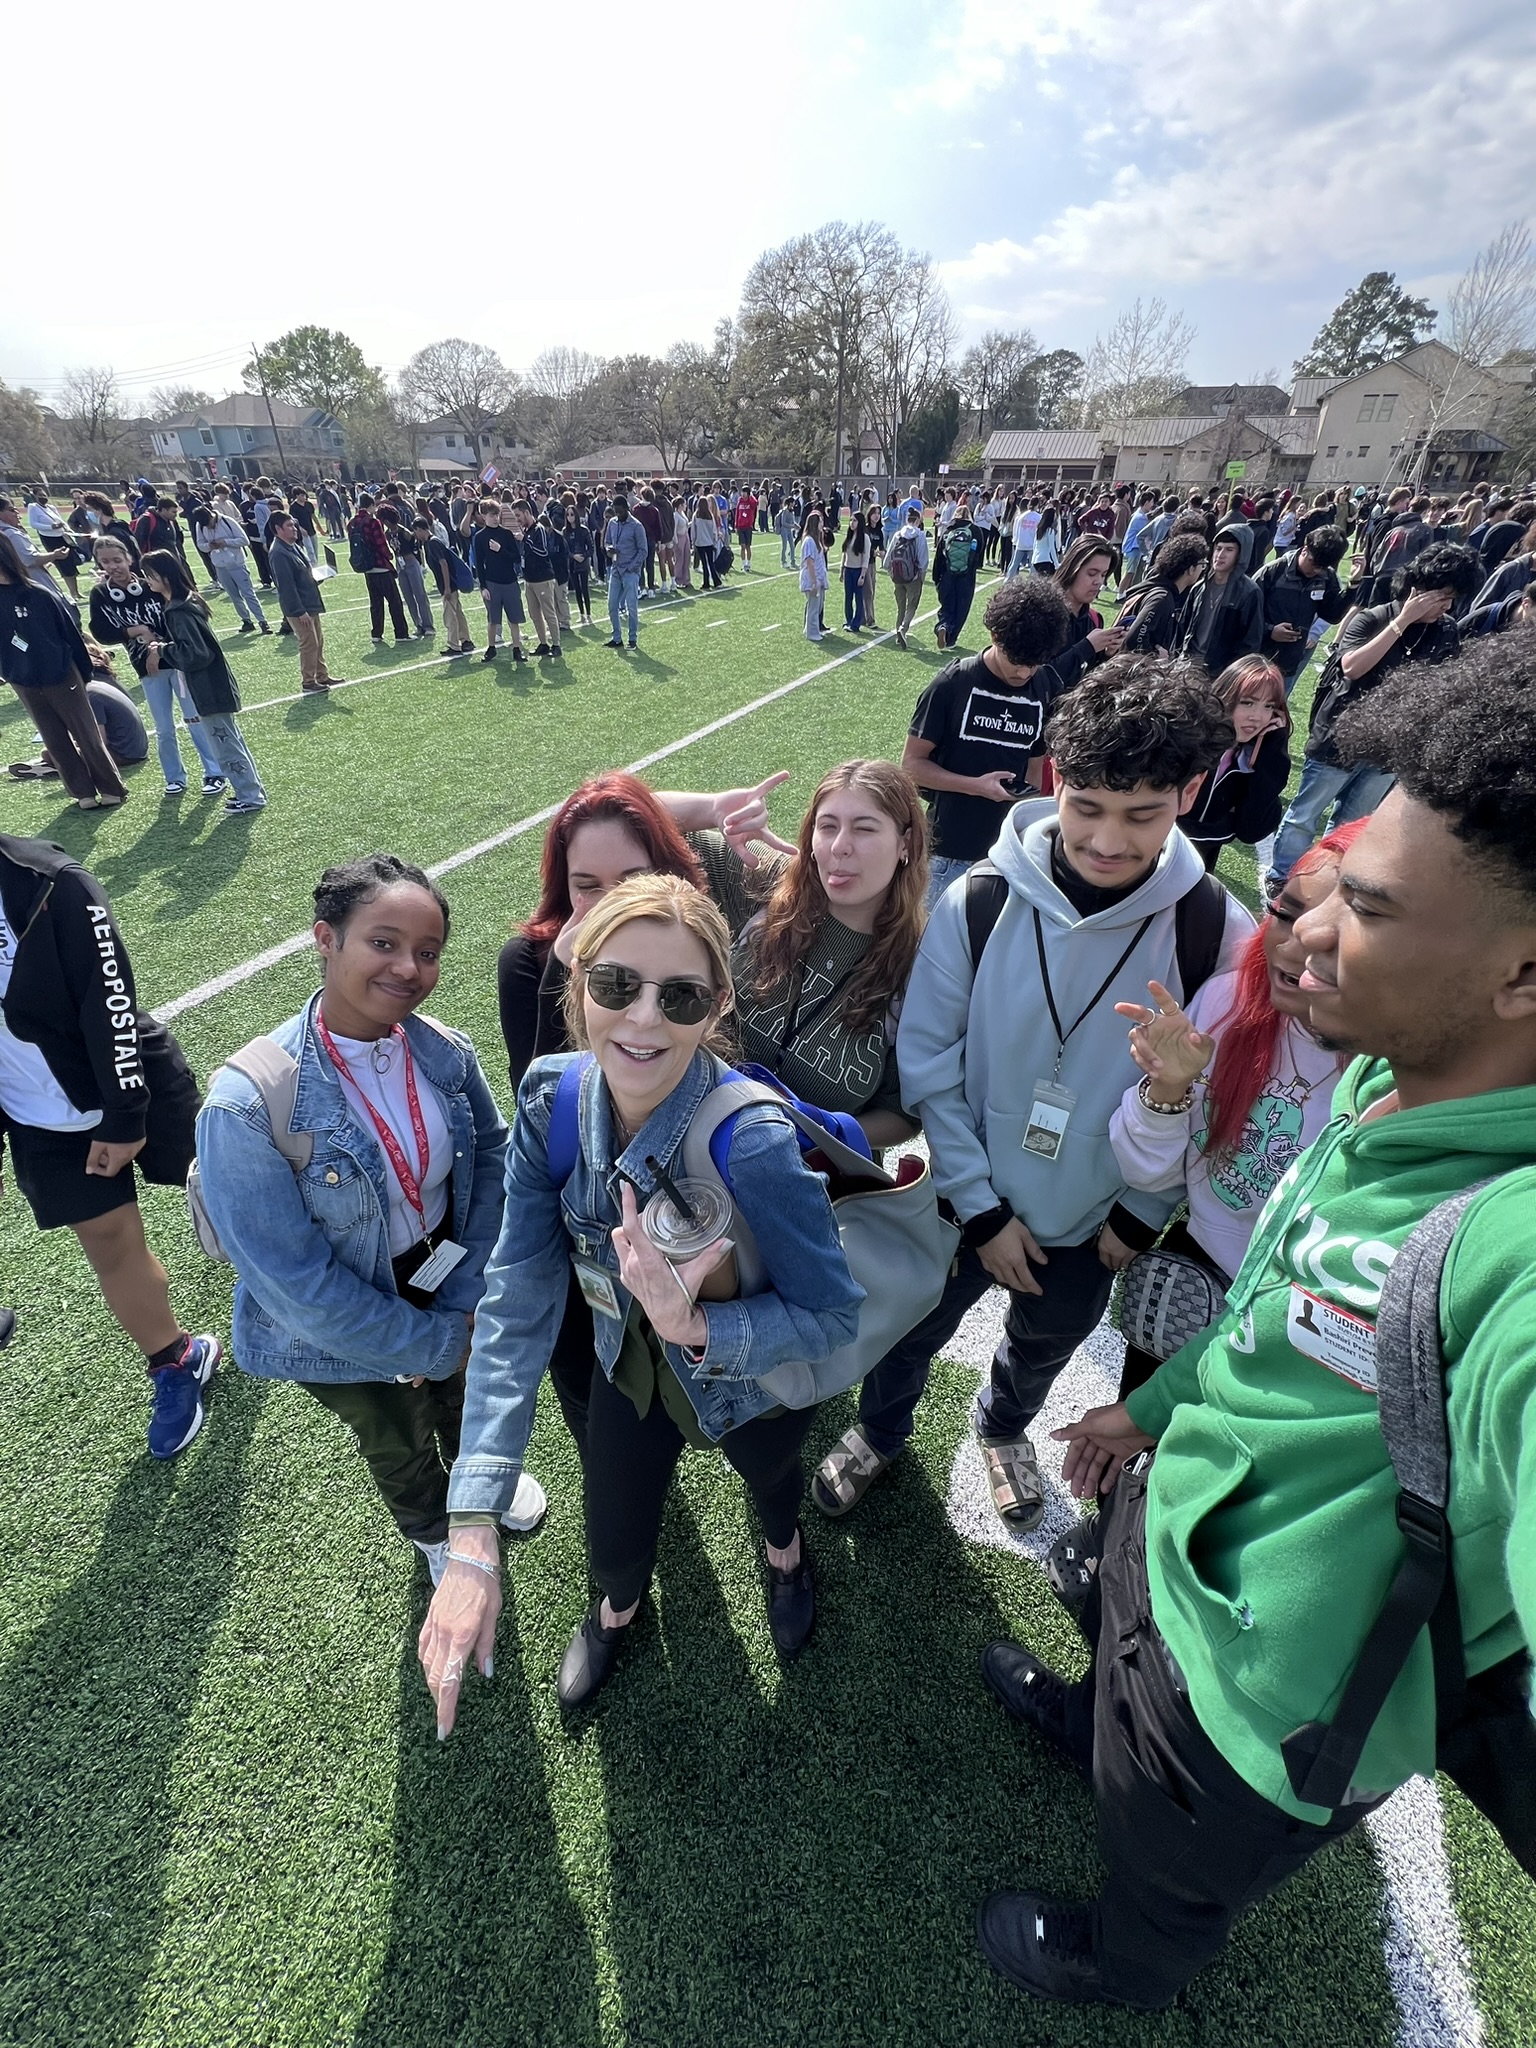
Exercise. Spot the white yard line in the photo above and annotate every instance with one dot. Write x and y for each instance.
(774, 627)
(247, 970)
(716, 622)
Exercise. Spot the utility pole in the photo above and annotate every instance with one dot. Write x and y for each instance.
(837, 447)
(261, 378)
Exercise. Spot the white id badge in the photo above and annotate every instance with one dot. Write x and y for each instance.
(1049, 1115)
(1346, 1344)
(437, 1265)
(19, 644)
(597, 1289)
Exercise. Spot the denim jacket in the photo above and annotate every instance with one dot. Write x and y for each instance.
(316, 1298)
(810, 1309)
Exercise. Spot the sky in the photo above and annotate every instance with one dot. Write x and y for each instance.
(619, 174)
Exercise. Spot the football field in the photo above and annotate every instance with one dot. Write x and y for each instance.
(225, 1821)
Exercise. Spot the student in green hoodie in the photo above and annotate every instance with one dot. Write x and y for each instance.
(1245, 1563)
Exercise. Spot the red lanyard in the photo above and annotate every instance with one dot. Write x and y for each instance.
(410, 1186)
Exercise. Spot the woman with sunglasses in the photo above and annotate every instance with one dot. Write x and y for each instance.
(359, 1271)
(680, 1361)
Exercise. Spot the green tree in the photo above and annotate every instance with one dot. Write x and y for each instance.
(317, 366)
(1370, 325)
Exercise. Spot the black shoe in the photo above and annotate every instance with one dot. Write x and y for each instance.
(285, 631)
(247, 625)
(402, 639)
(7, 1326)
(791, 1604)
(541, 648)
(489, 654)
(518, 654)
(1034, 1694)
(615, 643)
(1046, 1947)
(265, 627)
(589, 1659)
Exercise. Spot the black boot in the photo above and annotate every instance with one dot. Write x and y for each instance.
(791, 1604)
(589, 1659)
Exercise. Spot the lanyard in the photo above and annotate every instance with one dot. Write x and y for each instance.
(1093, 1001)
(410, 1186)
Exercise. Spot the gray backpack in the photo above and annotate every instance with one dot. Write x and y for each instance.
(276, 1075)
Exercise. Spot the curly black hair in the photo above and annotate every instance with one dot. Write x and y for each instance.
(1029, 620)
(1444, 565)
(1462, 739)
(1327, 545)
(1138, 719)
(1178, 553)
(345, 889)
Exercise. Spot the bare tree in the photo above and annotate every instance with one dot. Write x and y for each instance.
(561, 380)
(90, 409)
(27, 448)
(664, 400)
(910, 337)
(460, 380)
(174, 401)
(1137, 367)
(1490, 313)
(994, 365)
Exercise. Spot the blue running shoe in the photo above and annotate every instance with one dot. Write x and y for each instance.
(178, 1411)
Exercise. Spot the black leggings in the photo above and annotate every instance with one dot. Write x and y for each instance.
(581, 588)
(705, 557)
(628, 1468)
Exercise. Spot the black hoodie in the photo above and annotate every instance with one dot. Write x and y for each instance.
(71, 992)
(1237, 626)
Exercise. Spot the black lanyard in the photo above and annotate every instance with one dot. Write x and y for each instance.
(1094, 1000)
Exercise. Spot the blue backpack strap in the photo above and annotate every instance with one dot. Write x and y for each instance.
(564, 1140)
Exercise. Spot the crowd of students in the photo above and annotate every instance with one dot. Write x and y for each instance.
(1116, 1070)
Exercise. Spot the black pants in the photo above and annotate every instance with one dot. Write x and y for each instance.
(573, 1362)
(581, 588)
(382, 589)
(1189, 1846)
(629, 1465)
(263, 563)
(705, 558)
(1140, 1365)
(650, 566)
(409, 1436)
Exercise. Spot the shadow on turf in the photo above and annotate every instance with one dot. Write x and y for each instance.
(96, 1704)
(180, 828)
(785, 1857)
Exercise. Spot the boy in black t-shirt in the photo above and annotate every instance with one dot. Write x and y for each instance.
(977, 726)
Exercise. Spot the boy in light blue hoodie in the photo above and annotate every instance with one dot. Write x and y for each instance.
(1011, 1053)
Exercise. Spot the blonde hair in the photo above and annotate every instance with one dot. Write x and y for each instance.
(650, 899)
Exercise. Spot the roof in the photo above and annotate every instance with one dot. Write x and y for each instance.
(1248, 398)
(1044, 444)
(1296, 435)
(1167, 432)
(1471, 442)
(623, 456)
(249, 409)
(1307, 393)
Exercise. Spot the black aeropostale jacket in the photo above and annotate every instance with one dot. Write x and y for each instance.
(71, 992)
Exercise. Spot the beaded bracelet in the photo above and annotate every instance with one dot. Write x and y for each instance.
(492, 1571)
(1185, 1103)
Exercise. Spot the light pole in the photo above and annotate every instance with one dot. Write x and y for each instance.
(837, 442)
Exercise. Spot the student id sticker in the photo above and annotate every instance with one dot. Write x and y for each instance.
(1049, 1115)
(438, 1264)
(597, 1289)
(1346, 1344)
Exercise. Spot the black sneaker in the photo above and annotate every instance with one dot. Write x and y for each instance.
(1034, 1694)
(791, 1604)
(247, 625)
(1046, 1947)
(285, 631)
(518, 654)
(265, 627)
(619, 644)
(589, 1659)
(541, 648)
(489, 654)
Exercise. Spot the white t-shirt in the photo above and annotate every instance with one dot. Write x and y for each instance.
(386, 1092)
(1024, 532)
(1164, 1152)
(29, 1094)
(43, 519)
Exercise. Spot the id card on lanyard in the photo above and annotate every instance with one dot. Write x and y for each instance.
(1050, 1110)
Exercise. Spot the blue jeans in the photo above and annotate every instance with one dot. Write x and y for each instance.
(624, 595)
(233, 756)
(235, 582)
(160, 696)
(942, 870)
(853, 598)
(1040, 1334)
(1353, 793)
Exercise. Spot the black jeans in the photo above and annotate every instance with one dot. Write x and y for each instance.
(573, 1362)
(1040, 1334)
(581, 588)
(1189, 1846)
(705, 557)
(650, 566)
(409, 1436)
(382, 589)
(629, 1465)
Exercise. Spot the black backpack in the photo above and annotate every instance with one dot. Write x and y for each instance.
(1485, 1738)
(1199, 921)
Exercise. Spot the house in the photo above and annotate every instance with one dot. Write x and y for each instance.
(1215, 401)
(237, 438)
(1042, 455)
(607, 465)
(443, 448)
(1425, 415)
(1147, 451)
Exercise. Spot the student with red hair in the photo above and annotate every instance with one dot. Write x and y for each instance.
(1231, 1092)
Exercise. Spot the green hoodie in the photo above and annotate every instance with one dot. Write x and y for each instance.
(1271, 1515)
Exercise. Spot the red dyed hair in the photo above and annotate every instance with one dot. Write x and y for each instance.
(628, 802)
(1252, 1027)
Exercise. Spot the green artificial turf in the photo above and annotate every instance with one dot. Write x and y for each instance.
(224, 1817)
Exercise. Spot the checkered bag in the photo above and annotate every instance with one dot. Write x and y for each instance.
(1165, 1300)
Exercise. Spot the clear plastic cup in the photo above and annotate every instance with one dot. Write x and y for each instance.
(673, 1235)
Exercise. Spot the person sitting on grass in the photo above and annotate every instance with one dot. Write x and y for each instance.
(680, 1362)
(90, 1085)
(1247, 1560)
(358, 1277)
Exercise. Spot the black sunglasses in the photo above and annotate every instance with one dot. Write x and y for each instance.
(680, 1001)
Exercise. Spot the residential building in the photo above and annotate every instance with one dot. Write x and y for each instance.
(607, 465)
(443, 448)
(1424, 416)
(1045, 456)
(1217, 400)
(236, 438)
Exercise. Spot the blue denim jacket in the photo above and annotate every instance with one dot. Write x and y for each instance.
(315, 1298)
(811, 1308)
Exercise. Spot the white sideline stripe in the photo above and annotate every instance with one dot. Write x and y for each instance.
(1423, 1946)
(232, 977)
(774, 627)
(716, 622)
